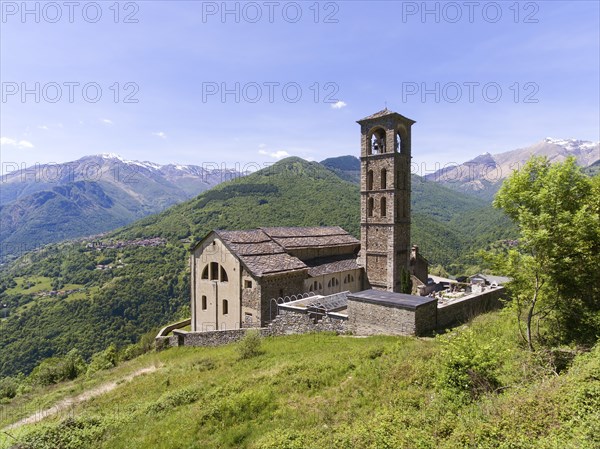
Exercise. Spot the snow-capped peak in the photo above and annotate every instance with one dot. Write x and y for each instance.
(145, 164)
(571, 144)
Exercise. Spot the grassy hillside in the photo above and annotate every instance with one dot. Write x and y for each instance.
(144, 287)
(475, 387)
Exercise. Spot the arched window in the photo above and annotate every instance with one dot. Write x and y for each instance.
(224, 275)
(316, 286)
(214, 271)
(348, 279)
(383, 178)
(370, 180)
(205, 272)
(377, 143)
(203, 302)
(333, 283)
(383, 206)
(370, 207)
(225, 307)
(399, 145)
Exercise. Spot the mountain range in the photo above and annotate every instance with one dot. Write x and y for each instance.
(483, 175)
(53, 202)
(95, 194)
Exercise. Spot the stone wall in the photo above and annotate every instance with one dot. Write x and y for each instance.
(373, 319)
(288, 322)
(273, 287)
(363, 319)
(463, 310)
(210, 338)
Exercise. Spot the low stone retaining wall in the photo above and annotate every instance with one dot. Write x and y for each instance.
(285, 323)
(211, 338)
(464, 309)
(288, 322)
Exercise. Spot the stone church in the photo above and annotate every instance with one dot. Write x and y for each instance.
(237, 276)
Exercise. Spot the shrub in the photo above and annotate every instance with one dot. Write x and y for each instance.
(468, 367)
(8, 387)
(172, 400)
(58, 369)
(72, 433)
(250, 345)
(103, 360)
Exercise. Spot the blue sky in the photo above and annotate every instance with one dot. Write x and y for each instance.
(533, 72)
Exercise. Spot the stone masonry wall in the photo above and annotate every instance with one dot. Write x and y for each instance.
(426, 318)
(210, 338)
(287, 323)
(363, 319)
(461, 311)
(372, 319)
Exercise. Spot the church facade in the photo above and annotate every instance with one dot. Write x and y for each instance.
(238, 276)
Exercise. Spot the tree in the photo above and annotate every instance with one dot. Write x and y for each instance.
(555, 264)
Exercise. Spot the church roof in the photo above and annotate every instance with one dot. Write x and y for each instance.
(310, 237)
(264, 251)
(328, 265)
(383, 113)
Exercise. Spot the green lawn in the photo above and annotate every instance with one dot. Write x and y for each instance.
(327, 391)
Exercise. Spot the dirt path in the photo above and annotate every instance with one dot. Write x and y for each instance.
(67, 403)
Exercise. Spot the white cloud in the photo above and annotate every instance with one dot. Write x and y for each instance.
(275, 155)
(24, 144)
(339, 105)
(44, 127)
(107, 121)
(262, 145)
(160, 134)
(6, 141)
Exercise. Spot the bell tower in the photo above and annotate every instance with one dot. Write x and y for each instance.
(385, 201)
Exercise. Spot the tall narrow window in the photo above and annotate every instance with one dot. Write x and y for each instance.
(370, 207)
(214, 271)
(383, 178)
(225, 307)
(205, 272)
(224, 277)
(203, 302)
(383, 206)
(370, 180)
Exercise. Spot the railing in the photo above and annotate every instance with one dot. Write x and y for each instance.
(171, 327)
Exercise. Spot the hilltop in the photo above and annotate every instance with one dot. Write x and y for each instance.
(125, 290)
(474, 387)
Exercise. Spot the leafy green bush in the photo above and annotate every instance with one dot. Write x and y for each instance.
(58, 369)
(72, 433)
(172, 400)
(9, 386)
(250, 345)
(103, 360)
(468, 368)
